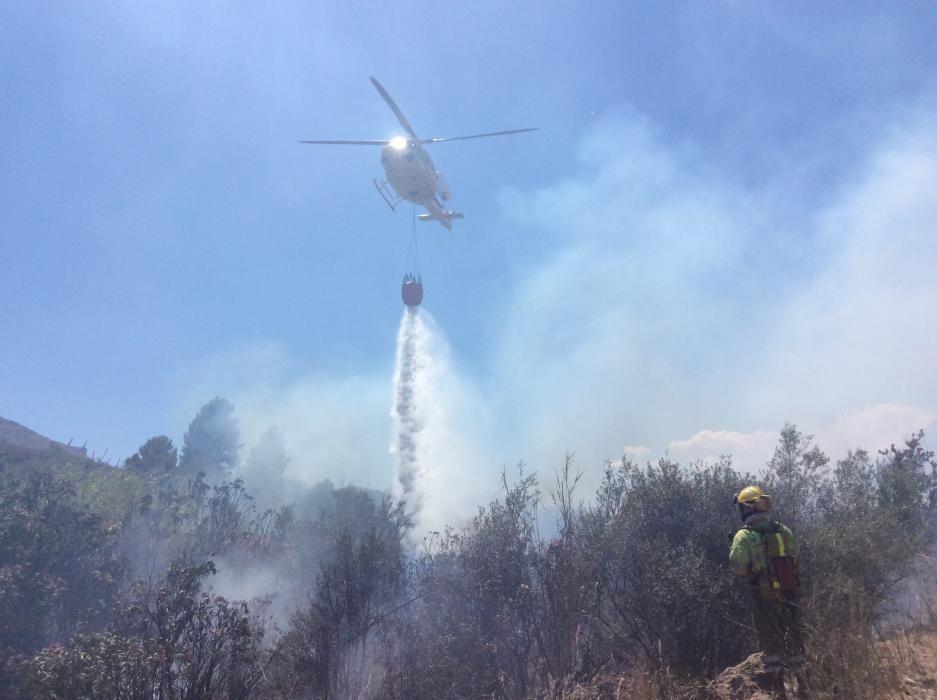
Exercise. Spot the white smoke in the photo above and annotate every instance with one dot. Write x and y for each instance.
(438, 424)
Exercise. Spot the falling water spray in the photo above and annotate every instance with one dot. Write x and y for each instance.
(438, 424)
(408, 423)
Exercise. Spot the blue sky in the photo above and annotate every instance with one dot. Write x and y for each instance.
(725, 222)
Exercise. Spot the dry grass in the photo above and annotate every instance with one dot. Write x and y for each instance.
(914, 658)
(901, 667)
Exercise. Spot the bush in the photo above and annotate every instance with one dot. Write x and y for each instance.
(174, 642)
(59, 573)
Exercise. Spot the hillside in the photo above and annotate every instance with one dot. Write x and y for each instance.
(12, 434)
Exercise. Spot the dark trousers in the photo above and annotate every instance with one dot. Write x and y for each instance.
(777, 624)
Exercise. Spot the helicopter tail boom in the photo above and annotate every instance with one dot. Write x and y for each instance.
(443, 216)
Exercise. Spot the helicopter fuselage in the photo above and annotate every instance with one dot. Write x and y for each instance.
(409, 170)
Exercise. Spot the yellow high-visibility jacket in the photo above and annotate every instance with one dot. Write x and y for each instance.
(747, 553)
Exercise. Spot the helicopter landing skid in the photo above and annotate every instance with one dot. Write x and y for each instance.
(387, 195)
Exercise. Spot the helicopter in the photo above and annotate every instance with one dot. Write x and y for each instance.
(410, 173)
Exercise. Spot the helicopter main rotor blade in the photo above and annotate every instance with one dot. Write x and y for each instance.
(351, 143)
(394, 108)
(478, 136)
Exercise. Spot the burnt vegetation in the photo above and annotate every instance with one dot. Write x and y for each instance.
(115, 582)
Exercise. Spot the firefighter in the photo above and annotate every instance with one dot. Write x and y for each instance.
(764, 555)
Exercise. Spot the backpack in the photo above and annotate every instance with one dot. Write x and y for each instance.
(780, 576)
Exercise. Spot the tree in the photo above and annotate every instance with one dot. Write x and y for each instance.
(211, 443)
(907, 485)
(269, 455)
(59, 571)
(265, 470)
(796, 475)
(156, 456)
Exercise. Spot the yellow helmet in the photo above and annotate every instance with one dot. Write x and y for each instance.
(754, 497)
